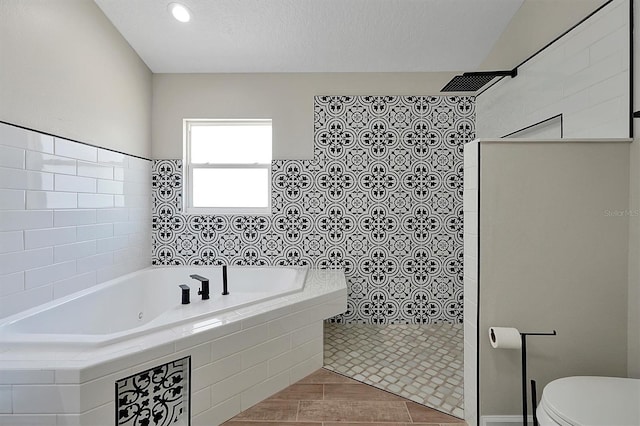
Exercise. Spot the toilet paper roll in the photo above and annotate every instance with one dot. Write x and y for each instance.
(505, 338)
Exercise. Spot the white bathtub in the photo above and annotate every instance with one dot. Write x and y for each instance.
(59, 364)
(146, 301)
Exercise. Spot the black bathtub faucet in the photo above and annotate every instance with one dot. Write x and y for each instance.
(204, 290)
(185, 294)
(224, 280)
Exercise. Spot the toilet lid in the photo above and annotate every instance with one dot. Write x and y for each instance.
(593, 401)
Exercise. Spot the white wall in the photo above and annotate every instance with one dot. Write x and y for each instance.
(285, 98)
(553, 255)
(633, 353)
(584, 76)
(71, 216)
(67, 71)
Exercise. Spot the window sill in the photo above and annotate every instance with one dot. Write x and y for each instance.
(228, 211)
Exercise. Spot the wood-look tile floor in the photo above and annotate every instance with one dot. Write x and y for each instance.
(325, 398)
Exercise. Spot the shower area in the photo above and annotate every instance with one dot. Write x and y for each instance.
(389, 174)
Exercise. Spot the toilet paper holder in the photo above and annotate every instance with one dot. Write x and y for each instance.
(523, 336)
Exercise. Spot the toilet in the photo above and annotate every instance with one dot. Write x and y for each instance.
(590, 401)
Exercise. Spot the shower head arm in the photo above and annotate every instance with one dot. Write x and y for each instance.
(513, 73)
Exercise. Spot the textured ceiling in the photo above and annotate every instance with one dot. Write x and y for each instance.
(535, 24)
(313, 35)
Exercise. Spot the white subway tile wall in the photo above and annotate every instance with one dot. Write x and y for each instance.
(71, 216)
(584, 76)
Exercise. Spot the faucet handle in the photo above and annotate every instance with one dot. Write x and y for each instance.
(185, 294)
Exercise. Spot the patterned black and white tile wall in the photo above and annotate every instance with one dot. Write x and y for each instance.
(382, 199)
(155, 397)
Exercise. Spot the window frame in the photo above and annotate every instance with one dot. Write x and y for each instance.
(189, 167)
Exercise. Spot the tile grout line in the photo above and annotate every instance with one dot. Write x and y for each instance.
(406, 407)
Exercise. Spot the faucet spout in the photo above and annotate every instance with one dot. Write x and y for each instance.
(204, 290)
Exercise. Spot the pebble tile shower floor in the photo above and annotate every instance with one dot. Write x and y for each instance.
(423, 363)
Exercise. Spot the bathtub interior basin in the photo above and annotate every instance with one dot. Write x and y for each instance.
(145, 301)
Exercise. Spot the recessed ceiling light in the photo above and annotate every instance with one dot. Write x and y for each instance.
(180, 12)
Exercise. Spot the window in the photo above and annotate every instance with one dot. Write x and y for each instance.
(227, 166)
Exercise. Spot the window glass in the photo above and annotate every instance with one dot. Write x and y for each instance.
(230, 187)
(231, 143)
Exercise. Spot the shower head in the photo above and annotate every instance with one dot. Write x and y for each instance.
(474, 81)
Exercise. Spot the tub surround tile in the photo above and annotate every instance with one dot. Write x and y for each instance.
(294, 356)
(49, 274)
(96, 201)
(22, 300)
(94, 170)
(105, 216)
(49, 237)
(205, 331)
(47, 184)
(6, 400)
(200, 401)
(45, 399)
(17, 220)
(11, 199)
(94, 232)
(266, 350)
(12, 157)
(28, 420)
(67, 148)
(95, 262)
(73, 217)
(26, 377)
(11, 241)
(11, 283)
(265, 389)
(218, 413)
(73, 251)
(50, 163)
(76, 283)
(41, 200)
(26, 179)
(74, 184)
(216, 371)
(25, 259)
(25, 139)
(113, 158)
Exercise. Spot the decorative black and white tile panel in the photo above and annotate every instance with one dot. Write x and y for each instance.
(382, 198)
(155, 397)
